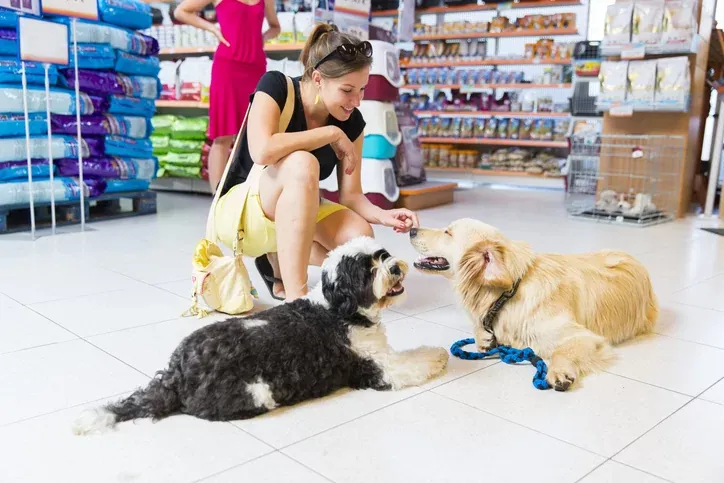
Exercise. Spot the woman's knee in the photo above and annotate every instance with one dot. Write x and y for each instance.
(300, 167)
(355, 227)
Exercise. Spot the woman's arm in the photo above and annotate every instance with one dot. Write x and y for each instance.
(267, 145)
(270, 12)
(350, 190)
(187, 12)
(352, 196)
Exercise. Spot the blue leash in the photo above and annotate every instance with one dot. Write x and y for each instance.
(509, 356)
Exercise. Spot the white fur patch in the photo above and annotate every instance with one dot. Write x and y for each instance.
(316, 296)
(251, 323)
(96, 420)
(261, 394)
(360, 245)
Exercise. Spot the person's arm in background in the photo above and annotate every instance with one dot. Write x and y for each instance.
(187, 12)
(270, 13)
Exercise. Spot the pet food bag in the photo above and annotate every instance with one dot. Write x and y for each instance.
(617, 26)
(62, 101)
(131, 106)
(673, 81)
(102, 124)
(679, 24)
(17, 192)
(613, 79)
(648, 17)
(641, 82)
(132, 14)
(62, 146)
(94, 57)
(10, 170)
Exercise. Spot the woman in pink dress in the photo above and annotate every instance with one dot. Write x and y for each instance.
(239, 63)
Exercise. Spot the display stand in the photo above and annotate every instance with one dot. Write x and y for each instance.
(686, 125)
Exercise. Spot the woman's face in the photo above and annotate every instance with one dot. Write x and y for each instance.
(342, 95)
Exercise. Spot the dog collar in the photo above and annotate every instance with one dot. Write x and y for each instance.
(492, 315)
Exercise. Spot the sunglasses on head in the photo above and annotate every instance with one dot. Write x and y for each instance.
(347, 52)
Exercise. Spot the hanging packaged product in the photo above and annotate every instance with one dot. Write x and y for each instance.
(648, 16)
(641, 82)
(679, 24)
(673, 82)
(617, 27)
(613, 79)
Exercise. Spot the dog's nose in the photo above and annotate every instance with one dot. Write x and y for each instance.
(395, 270)
(413, 232)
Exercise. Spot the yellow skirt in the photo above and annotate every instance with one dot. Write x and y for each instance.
(259, 232)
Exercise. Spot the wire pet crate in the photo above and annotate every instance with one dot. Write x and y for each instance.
(624, 179)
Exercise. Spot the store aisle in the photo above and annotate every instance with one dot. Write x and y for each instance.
(88, 317)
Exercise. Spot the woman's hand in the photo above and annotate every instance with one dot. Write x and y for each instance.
(400, 219)
(346, 152)
(217, 32)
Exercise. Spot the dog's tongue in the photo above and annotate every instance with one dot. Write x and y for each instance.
(396, 289)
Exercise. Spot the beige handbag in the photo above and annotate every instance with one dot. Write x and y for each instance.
(222, 281)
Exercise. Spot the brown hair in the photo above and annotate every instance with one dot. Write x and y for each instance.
(323, 40)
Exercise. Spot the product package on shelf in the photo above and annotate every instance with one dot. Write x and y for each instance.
(118, 83)
(179, 143)
(657, 26)
(660, 84)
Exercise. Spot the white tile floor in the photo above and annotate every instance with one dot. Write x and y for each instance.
(85, 318)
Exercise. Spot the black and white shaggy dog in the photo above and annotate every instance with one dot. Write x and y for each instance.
(243, 367)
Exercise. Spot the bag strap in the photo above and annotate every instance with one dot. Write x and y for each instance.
(284, 120)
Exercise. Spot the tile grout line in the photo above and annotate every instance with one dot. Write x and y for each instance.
(520, 425)
(423, 391)
(204, 478)
(29, 418)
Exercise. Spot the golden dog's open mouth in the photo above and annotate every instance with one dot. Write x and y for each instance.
(435, 264)
(398, 289)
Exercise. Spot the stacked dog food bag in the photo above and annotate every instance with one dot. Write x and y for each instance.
(118, 81)
(180, 145)
(382, 132)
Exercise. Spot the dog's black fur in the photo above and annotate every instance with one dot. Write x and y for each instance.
(294, 352)
(302, 353)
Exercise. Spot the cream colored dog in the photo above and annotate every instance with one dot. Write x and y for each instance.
(567, 308)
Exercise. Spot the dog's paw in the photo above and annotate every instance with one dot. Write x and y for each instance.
(561, 379)
(484, 340)
(437, 358)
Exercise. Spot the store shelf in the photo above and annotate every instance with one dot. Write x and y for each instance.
(182, 104)
(477, 63)
(491, 172)
(495, 35)
(496, 142)
(479, 8)
(211, 50)
(492, 114)
(488, 86)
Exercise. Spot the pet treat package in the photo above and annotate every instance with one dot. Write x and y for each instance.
(641, 82)
(613, 79)
(679, 25)
(648, 17)
(408, 164)
(617, 26)
(673, 81)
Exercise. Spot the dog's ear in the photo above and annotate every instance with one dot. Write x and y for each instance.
(484, 263)
(340, 294)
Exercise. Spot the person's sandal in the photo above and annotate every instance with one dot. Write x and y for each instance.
(267, 274)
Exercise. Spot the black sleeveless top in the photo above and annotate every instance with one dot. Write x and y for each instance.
(275, 85)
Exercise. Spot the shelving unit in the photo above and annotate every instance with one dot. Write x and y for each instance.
(504, 52)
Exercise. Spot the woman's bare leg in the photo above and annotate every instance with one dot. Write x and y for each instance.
(218, 155)
(289, 194)
(319, 253)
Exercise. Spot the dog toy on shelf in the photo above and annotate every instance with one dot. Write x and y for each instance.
(508, 355)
